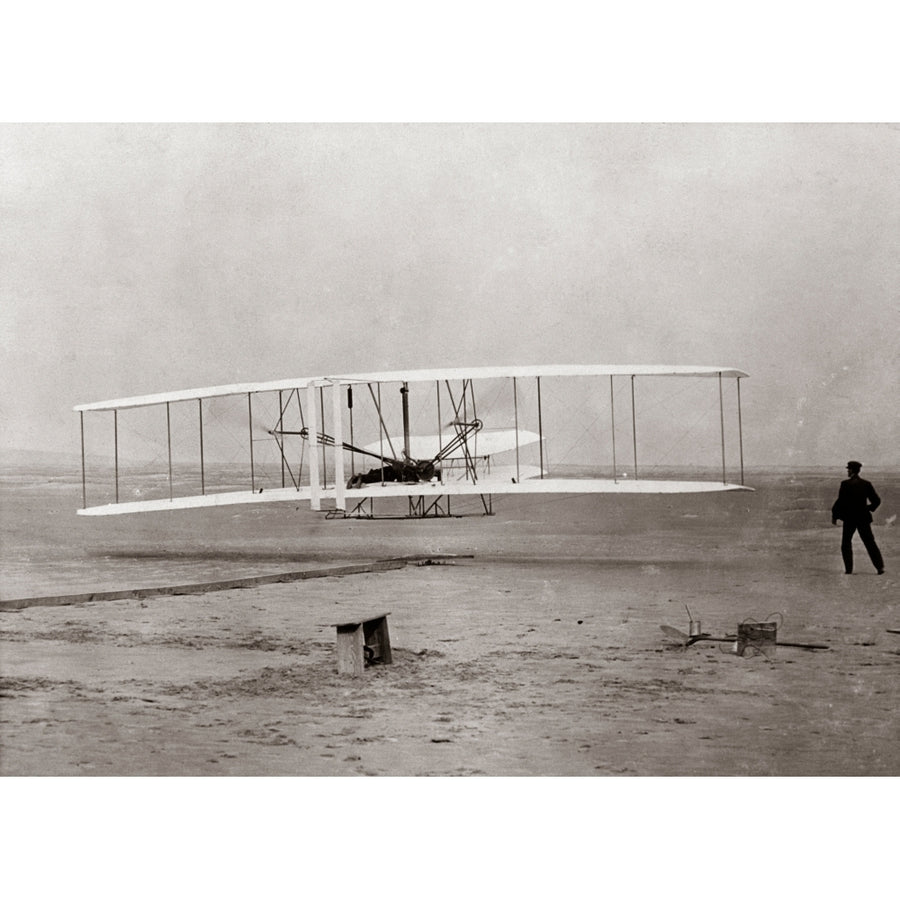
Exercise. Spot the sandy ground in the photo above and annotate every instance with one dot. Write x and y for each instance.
(540, 655)
(499, 669)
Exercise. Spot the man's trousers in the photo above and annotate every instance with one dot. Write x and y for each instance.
(868, 539)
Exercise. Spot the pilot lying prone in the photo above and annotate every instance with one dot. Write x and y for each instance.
(409, 472)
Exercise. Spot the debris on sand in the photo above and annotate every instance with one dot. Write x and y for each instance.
(685, 640)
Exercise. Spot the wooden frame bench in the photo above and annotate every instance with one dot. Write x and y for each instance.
(362, 641)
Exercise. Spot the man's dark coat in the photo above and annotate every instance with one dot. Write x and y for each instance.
(856, 501)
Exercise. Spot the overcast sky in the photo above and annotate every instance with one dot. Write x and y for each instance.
(143, 258)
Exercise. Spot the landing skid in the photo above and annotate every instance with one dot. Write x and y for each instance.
(418, 508)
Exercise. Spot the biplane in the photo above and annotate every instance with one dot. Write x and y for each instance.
(341, 443)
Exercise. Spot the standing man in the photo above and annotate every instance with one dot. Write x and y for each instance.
(855, 504)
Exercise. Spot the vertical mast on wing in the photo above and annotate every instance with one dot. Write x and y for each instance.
(404, 393)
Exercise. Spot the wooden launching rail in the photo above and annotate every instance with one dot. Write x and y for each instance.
(380, 565)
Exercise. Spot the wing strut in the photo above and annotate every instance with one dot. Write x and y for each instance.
(250, 432)
(314, 500)
(516, 409)
(83, 473)
(280, 419)
(322, 419)
(437, 391)
(474, 412)
(740, 429)
(350, 407)
(722, 428)
(339, 502)
(116, 442)
(381, 429)
(202, 466)
(634, 427)
(612, 413)
(169, 442)
(540, 426)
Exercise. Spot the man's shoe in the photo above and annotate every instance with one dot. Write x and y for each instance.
(881, 571)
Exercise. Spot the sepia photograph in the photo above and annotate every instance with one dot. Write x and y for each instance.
(563, 411)
(549, 454)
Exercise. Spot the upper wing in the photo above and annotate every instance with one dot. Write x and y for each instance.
(485, 372)
(228, 390)
(416, 375)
